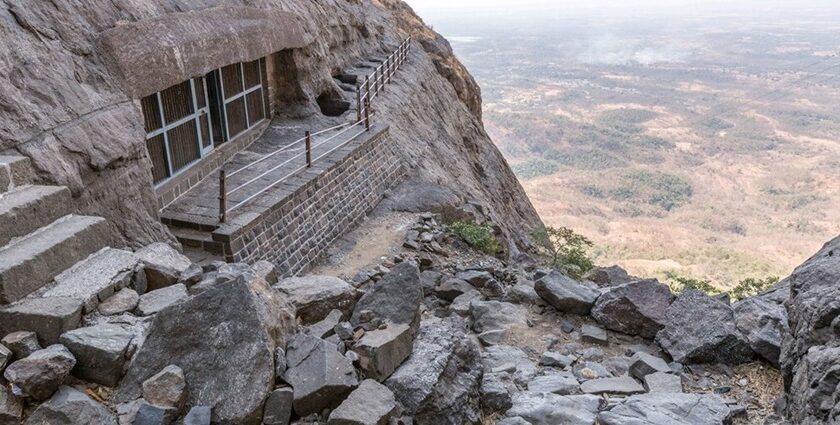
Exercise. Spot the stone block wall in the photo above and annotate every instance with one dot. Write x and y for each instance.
(328, 203)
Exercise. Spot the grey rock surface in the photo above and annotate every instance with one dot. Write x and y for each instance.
(200, 415)
(496, 391)
(667, 409)
(11, 408)
(764, 321)
(564, 294)
(162, 265)
(21, 344)
(69, 406)
(101, 352)
(608, 276)
(155, 301)
(40, 374)
(382, 351)
(497, 315)
(278, 407)
(47, 317)
(320, 376)
(663, 382)
(123, 301)
(593, 334)
(370, 404)
(643, 364)
(96, 278)
(634, 308)
(314, 297)
(395, 298)
(553, 409)
(624, 385)
(556, 383)
(326, 327)
(168, 388)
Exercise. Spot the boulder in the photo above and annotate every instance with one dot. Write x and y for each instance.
(152, 414)
(278, 407)
(663, 382)
(564, 294)
(498, 356)
(325, 328)
(497, 315)
(11, 408)
(370, 404)
(556, 383)
(624, 385)
(524, 293)
(39, 375)
(320, 375)
(701, 330)
(438, 384)
(382, 351)
(461, 305)
(168, 388)
(395, 298)
(200, 415)
(667, 409)
(314, 297)
(47, 317)
(69, 406)
(634, 308)
(124, 301)
(101, 352)
(553, 409)
(608, 276)
(555, 359)
(224, 340)
(496, 391)
(643, 364)
(763, 320)
(451, 288)
(162, 265)
(476, 278)
(593, 334)
(21, 343)
(155, 301)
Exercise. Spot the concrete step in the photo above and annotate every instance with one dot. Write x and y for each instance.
(28, 208)
(191, 238)
(15, 171)
(30, 262)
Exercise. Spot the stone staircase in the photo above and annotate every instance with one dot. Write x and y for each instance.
(38, 240)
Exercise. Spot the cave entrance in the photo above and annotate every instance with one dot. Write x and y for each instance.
(332, 104)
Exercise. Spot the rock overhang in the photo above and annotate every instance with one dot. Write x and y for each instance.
(154, 54)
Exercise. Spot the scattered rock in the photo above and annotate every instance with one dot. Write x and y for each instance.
(320, 375)
(69, 406)
(461, 305)
(476, 278)
(162, 265)
(587, 370)
(522, 293)
(382, 351)
(608, 276)
(701, 330)
(662, 382)
(101, 352)
(40, 374)
(667, 409)
(124, 301)
(622, 386)
(567, 327)
(553, 409)
(555, 359)
(155, 301)
(643, 364)
(315, 297)
(370, 404)
(47, 317)
(496, 391)
(152, 414)
(497, 315)
(395, 298)
(556, 383)
(451, 288)
(168, 388)
(22, 343)
(212, 336)
(325, 328)
(523, 368)
(564, 294)
(593, 334)
(635, 308)
(278, 407)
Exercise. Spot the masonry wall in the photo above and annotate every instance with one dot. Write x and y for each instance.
(298, 230)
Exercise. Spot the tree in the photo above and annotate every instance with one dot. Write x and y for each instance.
(566, 249)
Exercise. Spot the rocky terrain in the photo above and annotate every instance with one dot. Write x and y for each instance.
(436, 334)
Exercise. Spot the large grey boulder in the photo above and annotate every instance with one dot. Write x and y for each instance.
(635, 308)
(497, 315)
(438, 384)
(315, 297)
(162, 265)
(496, 391)
(764, 321)
(11, 408)
(101, 352)
(608, 276)
(224, 340)
(564, 294)
(40, 374)
(370, 404)
(382, 351)
(553, 409)
(700, 329)
(70, 406)
(557, 383)
(395, 298)
(509, 357)
(667, 409)
(643, 364)
(320, 376)
(47, 317)
(155, 301)
(624, 385)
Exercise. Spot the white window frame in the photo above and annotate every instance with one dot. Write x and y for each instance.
(245, 92)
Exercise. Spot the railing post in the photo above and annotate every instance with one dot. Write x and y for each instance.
(358, 102)
(308, 149)
(222, 196)
(367, 92)
(367, 115)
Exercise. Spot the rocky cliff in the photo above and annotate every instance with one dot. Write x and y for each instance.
(65, 105)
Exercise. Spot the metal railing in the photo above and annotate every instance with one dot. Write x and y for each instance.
(373, 85)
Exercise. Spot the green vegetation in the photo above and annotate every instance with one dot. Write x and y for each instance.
(535, 167)
(750, 287)
(627, 115)
(478, 236)
(583, 158)
(682, 283)
(566, 249)
(662, 190)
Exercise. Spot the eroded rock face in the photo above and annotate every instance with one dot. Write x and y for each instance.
(700, 329)
(224, 340)
(810, 357)
(635, 308)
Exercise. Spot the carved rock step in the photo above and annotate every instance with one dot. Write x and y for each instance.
(28, 208)
(31, 262)
(14, 171)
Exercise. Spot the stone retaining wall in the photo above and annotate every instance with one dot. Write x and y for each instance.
(327, 203)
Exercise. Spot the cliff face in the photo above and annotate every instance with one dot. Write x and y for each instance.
(64, 105)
